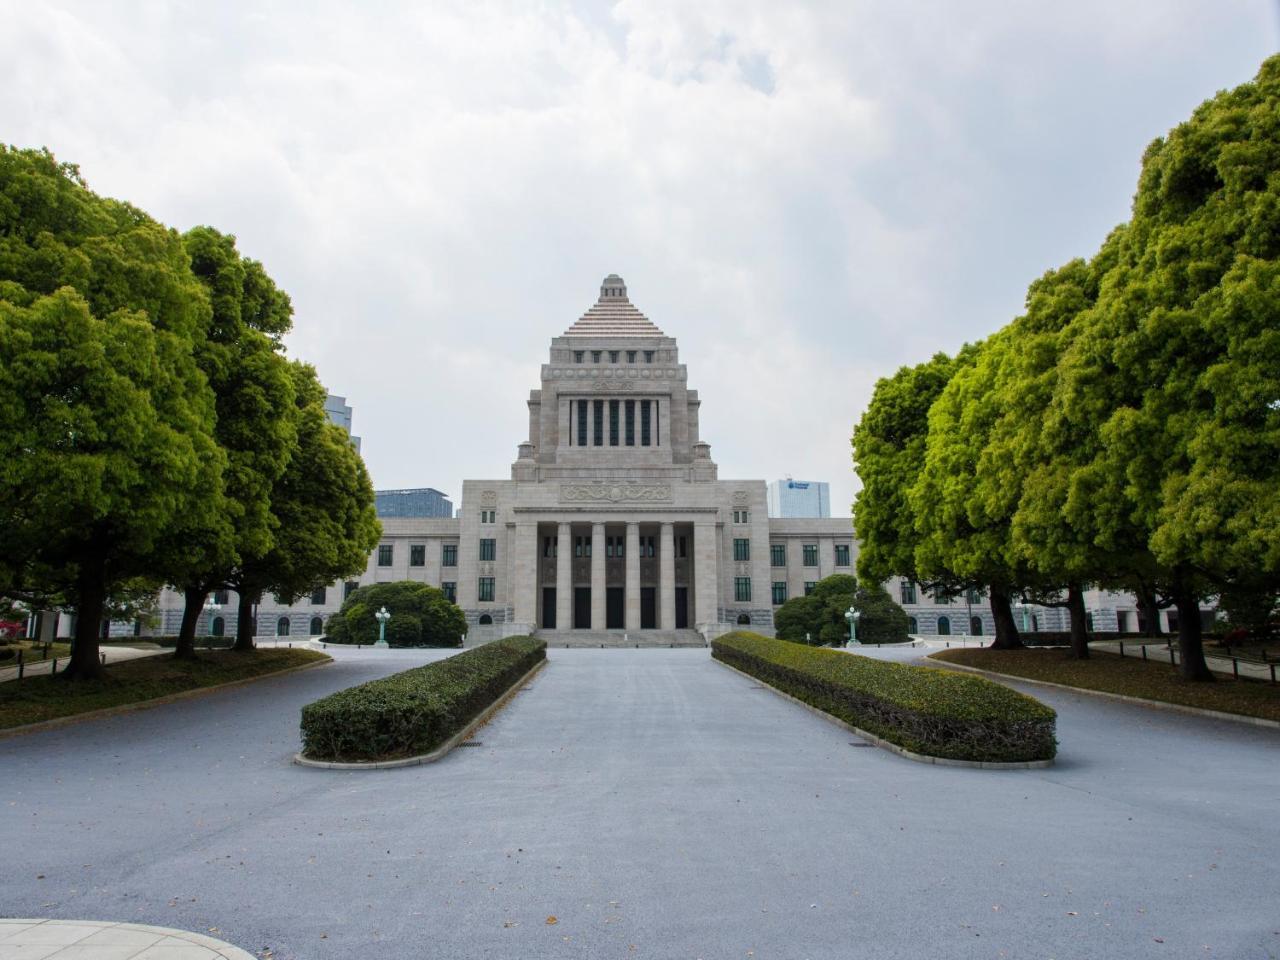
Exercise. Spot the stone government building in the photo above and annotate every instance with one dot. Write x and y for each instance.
(615, 524)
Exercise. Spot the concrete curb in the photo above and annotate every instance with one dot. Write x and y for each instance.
(893, 747)
(439, 752)
(1142, 701)
(154, 702)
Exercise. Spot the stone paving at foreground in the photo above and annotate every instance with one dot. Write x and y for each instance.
(25, 939)
(647, 803)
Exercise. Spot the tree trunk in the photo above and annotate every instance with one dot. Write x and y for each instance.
(91, 587)
(1190, 641)
(194, 598)
(1006, 630)
(1079, 622)
(1150, 611)
(244, 618)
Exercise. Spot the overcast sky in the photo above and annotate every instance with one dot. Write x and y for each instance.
(806, 196)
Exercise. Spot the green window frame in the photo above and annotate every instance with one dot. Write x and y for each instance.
(488, 548)
(417, 555)
(450, 590)
(741, 549)
(386, 554)
(809, 586)
(779, 592)
(777, 554)
(742, 589)
(449, 555)
(842, 554)
(810, 554)
(485, 590)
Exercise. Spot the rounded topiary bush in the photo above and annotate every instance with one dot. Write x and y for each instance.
(421, 616)
(404, 630)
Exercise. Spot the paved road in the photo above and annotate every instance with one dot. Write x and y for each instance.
(658, 805)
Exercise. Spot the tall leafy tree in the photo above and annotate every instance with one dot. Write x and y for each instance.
(889, 453)
(1186, 323)
(256, 420)
(962, 524)
(105, 417)
(323, 511)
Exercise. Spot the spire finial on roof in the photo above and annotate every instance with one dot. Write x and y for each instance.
(613, 288)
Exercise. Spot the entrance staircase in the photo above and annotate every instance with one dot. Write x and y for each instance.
(621, 639)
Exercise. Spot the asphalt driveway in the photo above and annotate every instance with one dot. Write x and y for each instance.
(647, 803)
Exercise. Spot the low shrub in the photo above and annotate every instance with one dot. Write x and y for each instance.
(926, 711)
(413, 712)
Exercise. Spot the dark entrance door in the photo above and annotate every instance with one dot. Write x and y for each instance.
(648, 609)
(548, 608)
(582, 608)
(682, 608)
(613, 610)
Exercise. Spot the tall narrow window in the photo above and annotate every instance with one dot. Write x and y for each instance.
(486, 590)
(417, 555)
(648, 356)
(450, 590)
(384, 555)
(644, 423)
(810, 554)
(631, 356)
(595, 356)
(488, 549)
(842, 554)
(908, 593)
(778, 554)
(613, 356)
(779, 592)
(318, 596)
(741, 549)
(350, 587)
(577, 356)
(630, 421)
(657, 421)
(582, 423)
(742, 589)
(449, 555)
(614, 406)
(598, 439)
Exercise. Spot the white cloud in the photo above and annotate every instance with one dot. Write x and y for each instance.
(806, 196)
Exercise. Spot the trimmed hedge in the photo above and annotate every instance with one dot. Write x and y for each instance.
(413, 712)
(927, 711)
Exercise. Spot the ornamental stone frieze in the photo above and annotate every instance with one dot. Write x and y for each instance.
(615, 492)
(613, 386)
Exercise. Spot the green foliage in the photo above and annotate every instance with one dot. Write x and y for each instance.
(421, 616)
(106, 420)
(889, 453)
(800, 620)
(1252, 607)
(322, 507)
(881, 620)
(818, 617)
(926, 711)
(413, 712)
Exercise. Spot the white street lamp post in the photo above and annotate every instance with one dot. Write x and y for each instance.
(853, 616)
(382, 617)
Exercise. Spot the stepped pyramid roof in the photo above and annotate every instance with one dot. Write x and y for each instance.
(613, 315)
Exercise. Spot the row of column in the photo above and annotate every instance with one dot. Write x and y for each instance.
(702, 555)
(631, 566)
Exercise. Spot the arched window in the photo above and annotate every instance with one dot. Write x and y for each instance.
(485, 619)
(317, 626)
(744, 620)
(912, 626)
(219, 627)
(282, 627)
(975, 626)
(944, 626)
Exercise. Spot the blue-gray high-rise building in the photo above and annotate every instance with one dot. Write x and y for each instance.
(417, 502)
(339, 412)
(799, 498)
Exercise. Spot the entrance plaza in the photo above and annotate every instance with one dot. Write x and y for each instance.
(657, 805)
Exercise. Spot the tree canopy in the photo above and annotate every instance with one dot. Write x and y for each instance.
(421, 616)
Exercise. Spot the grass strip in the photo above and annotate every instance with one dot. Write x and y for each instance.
(412, 712)
(921, 709)
(137, 681)
(1127, 676)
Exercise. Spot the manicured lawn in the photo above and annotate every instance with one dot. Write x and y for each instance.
(1125, 675)
(136, 681)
